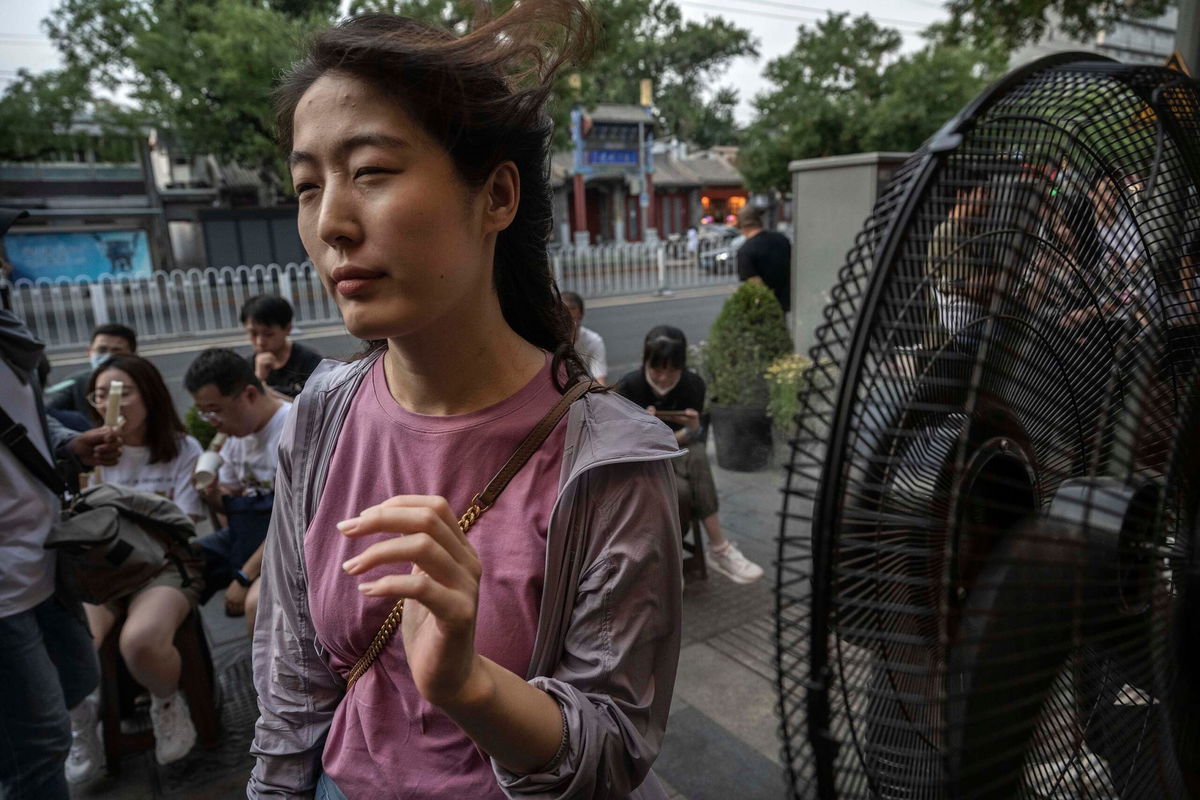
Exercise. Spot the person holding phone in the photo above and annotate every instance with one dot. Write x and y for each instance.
(666, 388)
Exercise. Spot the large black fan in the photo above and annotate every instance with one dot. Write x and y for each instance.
(988, 580)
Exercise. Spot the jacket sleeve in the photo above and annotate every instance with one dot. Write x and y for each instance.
(297, 692)
(617, 671)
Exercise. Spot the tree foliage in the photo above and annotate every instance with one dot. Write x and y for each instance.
(844, 88)
(203, 72)
(650, 39)
(1011, 23)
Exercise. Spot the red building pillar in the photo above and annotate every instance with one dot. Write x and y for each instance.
(581, 228)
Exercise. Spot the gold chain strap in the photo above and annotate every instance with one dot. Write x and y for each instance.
(396, 615)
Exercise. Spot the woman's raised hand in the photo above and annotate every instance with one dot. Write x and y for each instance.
(441, 592)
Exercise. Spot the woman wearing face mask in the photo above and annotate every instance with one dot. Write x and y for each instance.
(536, 652)
(666, 388)
(158, 457)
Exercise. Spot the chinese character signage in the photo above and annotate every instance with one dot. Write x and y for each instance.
(621, 157)
(78, 254)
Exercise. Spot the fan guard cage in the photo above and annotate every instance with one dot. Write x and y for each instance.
(986, 546)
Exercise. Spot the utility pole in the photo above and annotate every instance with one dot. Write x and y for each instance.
(1187, 35)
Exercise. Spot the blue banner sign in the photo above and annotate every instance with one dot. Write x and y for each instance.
(78, 254)
(621, 157)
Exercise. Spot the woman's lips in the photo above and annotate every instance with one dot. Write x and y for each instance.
(350, 281)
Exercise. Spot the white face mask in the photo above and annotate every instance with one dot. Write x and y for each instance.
(98, 360)
(659, 389)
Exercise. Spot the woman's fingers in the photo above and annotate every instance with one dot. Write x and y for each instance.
(420, 549)
(448, 605)
(409, 519)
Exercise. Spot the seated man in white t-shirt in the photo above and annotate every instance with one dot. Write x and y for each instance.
(231, 398)
(588, 343)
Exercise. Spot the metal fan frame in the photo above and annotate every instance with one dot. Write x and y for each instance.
(827, 511)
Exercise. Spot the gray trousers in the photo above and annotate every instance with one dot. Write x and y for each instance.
(694, 483)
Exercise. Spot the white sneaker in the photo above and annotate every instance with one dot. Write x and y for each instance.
(174, 733)
(732, 564)
(87, 754)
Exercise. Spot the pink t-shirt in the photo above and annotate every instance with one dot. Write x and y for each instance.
(386, 741)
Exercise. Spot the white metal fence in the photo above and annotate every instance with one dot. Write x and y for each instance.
(191, 303)
(638, 268)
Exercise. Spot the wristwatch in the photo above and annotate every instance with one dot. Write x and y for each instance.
(243, 579)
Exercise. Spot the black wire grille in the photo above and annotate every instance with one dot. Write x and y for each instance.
(986, 560)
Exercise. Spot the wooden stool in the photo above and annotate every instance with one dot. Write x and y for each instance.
(197, 680)
(693, 551)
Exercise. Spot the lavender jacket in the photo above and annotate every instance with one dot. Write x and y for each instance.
(607, 643)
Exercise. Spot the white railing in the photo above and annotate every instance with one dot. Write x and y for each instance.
(190, 303)
(638, 268)
(165, 305)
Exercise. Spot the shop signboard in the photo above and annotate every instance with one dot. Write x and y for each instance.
(54, 254)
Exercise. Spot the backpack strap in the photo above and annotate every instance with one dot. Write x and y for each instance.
(16, 437)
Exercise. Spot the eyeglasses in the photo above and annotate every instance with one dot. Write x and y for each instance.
(99, 398)
(211, 417)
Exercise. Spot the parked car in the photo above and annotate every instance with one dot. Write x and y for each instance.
(718, 248)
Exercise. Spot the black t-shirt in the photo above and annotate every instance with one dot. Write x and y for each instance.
(290, 378)
(688, 393)
(768, 255)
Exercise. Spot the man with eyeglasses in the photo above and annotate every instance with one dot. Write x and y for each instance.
(230, 397)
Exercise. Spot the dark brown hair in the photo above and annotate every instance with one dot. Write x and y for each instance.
(164, 430)
(482, 96)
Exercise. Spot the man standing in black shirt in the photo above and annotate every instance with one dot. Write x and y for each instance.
(668, 390)
(765, 256)
(280, 363)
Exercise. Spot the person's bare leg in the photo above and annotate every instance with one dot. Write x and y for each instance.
(100, 622)
(148, 638)
(712, 526)
(252, 606)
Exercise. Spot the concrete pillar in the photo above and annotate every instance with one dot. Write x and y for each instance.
(1187, 35)
(651, 221)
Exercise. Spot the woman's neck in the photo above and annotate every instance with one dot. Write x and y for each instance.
(134, 438)
(457, 370)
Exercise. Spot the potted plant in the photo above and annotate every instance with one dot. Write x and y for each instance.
(746, 337)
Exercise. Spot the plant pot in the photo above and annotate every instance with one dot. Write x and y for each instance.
(742, 435)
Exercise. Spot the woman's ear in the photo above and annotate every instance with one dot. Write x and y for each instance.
(503, 193)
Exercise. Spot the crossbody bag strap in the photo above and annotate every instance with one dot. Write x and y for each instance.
(479, 504)
(16, 437)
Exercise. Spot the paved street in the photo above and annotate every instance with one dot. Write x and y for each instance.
(622, 321)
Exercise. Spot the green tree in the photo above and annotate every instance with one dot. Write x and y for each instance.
(203, 72)
(650, 39)
(1011, 23)
(844, 88)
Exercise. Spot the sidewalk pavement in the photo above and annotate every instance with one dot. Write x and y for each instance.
(722, 739)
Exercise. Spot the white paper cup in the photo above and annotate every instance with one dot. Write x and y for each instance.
(206, 469)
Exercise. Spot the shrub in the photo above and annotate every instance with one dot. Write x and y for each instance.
(746, 337)
(199, 427)
(785, 378)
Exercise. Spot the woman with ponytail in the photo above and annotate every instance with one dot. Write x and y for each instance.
(418, 637)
